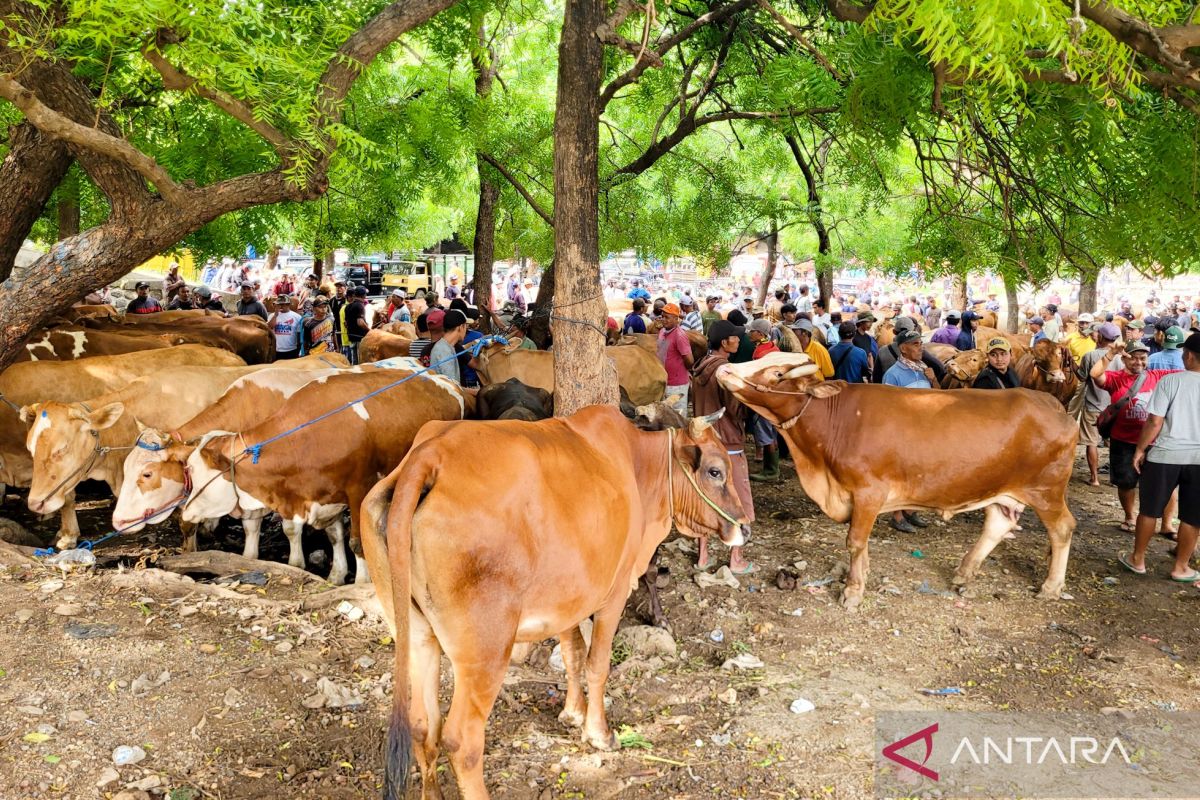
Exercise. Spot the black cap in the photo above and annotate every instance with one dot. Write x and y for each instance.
(721, 330)
(737, 318)
(141, 285)
(320, 301)
(453, 319)
(1193, 343)
(360, 291)
(340, 282)
(1163, 323)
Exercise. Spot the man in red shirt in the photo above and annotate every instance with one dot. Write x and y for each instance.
(675, 352)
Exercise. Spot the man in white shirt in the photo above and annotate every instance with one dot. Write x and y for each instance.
(287, 326)
(804, 302)
(691, 317)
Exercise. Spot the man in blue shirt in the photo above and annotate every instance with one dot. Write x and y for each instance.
(849, 361)
(638, 292)
(1036, 325)
(909, 372)
(1169, 357)
(966, 339)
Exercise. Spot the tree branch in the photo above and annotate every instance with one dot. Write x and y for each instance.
(177, 80)
(799, 36)
(508, 176)
(55, 124)
(850, 12)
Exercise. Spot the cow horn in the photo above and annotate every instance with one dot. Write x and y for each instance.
(802, 371)
(698, 425)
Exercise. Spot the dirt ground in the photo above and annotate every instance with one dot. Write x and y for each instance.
(219, 690)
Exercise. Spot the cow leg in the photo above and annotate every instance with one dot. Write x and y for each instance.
(68, 530)
(252, 528)
(574, 655)
(294, 531)
(336, 532)
(596, 731)
(424, 713)
(188, 530)
(998, 522)
(478, 675)
(361, 575)
(862, 519)
(650, 579)
(1060, 525)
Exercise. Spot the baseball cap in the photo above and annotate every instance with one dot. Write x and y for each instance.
(1137, 346)
(1150, 320)
(204, 291)
(866, 316)
(312, 276)
(803, 324)
(282, 299)
(672, 309)
(713, 298)
(969, 316)
(141, 285)
(762, 326)
(720, 330)
(397, 293)
(903, 323)
(687, 300)
(1107, 330)
(247, 285)
(1085, 318)
(1035, 320)
(907, 335)
(1136, 324)
(1173, 337)
(953, 314)
(1193, 343)
(453, 319)
(998, 343)
(737, 318)
(846, 330)
(340, 282)
(320, 301)
(435, 319)
(453, 278)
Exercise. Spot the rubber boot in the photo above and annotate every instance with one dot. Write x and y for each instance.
(770, 470)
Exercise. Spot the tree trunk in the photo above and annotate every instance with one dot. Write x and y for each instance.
(1014, 305)
(768, 273)
(34, 165)
(539, 330)
(825, 279)
(68, 206)
(958, 292)
(273, 257)
(1088, 281)
(484, 246)
(824, 244)
(583, 376)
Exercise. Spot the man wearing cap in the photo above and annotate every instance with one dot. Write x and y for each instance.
(303, 301)
(992, 303)
(1136, 382)
(336, 304)
(849, 362)
(745, 351)
(318, 329)
(249, 304)
(143, 303)
(803, 328)
(206, 300)
(691, 317)
(1095, 399)
(453, 291)
(759, 332)
(891, 354)
(909, 371)
(709, 397)
(1171, 464)
(966, 338)
(710, 314)
(948, 333)
(1158, 331)
(354, 323)
(864, 340)
(1080, 341)
(287, 326)
(1169, 358)
(1134, 330)
(997, 374)
(443, 357)
(675, 352)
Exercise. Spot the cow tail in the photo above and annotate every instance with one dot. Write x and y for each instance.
(405, 486)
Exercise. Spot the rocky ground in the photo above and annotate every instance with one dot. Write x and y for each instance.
(240, 690)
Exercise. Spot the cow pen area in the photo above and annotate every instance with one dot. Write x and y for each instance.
(259, 689)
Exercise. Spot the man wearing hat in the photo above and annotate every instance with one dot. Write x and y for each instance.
(339, 300)
(710, 314)
(1134, 330)
(249, 304)
(849, 362)
(909, 372)
(998, 373)
(1169, 357)
(1095, 399)
(1080, 341)
(966, 338)
(891, 354)
(453, 290)
(318, 329)
(206, 300)
(287, 326)
(675, 352)
(143, 303)
(803, 328)
(992, 303)
(948, 333)
(1156, 327)
(691, 317)
(1172, 464)
(864, 340)
(1037, 329)
(724, 339)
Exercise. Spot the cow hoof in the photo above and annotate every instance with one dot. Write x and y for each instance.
(571, 718)
(960, 579)
(1050, 593)
(66, 544)
(850, 601)
(608, 743)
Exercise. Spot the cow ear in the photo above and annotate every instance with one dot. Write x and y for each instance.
(690, 455)
(106, 416)
(28, 412)
(826, 388)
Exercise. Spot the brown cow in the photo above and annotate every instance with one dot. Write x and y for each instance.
(82, 310)
(870, 469)
(989, 319)
(942, 352)
(311, 474)
(1019, 347)
(69, 342)
(962, 368)
(378, 344)
(638, 369)
(247, 336)
(1049, 368)
(597, 498)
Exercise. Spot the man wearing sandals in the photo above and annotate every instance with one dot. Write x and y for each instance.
(1168, 458)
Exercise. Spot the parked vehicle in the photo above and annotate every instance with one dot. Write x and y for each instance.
(415, 278)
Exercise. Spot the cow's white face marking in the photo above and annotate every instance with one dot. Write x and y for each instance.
(40, 425)
(78, 341)
(361, 410)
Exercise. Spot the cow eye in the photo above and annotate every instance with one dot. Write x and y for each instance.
(713, 472)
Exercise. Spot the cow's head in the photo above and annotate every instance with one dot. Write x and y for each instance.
(1048, 357)
(213, 469)
(704, 498)
(64, 441)
(966, 365)
(155, 480)
(778, 386)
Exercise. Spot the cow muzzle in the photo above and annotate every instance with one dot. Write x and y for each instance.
(735, 535)
(1056, 376)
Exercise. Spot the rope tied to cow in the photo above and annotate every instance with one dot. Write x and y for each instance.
(687, 473)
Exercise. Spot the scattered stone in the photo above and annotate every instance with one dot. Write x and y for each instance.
(646, 641)
(50, 587)
(125, 755)
(145, 784)
(131, 794)
(253, 578)
(802, 706)
(187, 611)
(77, 716)
(729, 696)
(331, 695)
(232, 697)
(68, 610)
(94, 630)
(109, 775)
(364, 662)
(720, 739)
(30, 711)
(743, 661)
(23, 615)
(208, 649)
(350, 611)
(284, 647)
